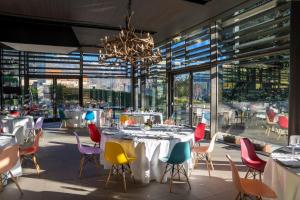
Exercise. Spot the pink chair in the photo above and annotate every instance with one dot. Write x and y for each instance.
(9, 157)
(199, 132)
(88, 154)
(250, 159)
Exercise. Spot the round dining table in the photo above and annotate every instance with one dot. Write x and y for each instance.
(282, 173)
(147, 146)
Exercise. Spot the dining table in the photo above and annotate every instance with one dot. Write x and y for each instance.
(282, 172)
(148, 145)
(17, 169)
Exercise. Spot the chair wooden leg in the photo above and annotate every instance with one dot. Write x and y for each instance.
(36, 164)
(238, 196)
(178, 171)
(110, 171)
(162, 177)
(171, 181)
(96, 160)
(207, 166)
(131, 174)
(82, 159)
(124, 178)
(187, 178)
(211, 164)
(16, 182)
(260, 176)
(248, 171)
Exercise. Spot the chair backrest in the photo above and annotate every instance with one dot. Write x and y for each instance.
(9, 156)
(78, 140)
(123, 119)
(235, 175)
(89, 115)
(199, 132)
(15, 113)
(19, 134)
(95, 134)
(131, 121)
(247, 150)
(114, 153)
(39, 123)
(271, 115)
(61, 114)
(283, 122)
(294, 139)
(212, 144)
(180, 153)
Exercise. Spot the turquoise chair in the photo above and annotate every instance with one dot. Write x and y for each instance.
(89, 116)
(180, 153)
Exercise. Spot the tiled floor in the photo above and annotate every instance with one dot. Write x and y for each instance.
(59, 161)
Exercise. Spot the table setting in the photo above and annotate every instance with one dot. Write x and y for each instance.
(148, 144)
(282, 172)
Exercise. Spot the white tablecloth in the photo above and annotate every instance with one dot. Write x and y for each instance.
(9, 123)
(148, 150)
(77, 117)
(6, 141)
(284, 181)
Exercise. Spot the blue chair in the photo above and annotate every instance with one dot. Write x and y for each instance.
(89, 116)
(180, 153)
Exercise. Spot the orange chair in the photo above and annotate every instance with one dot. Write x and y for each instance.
(131, 122)
(169, 122)
(249, 187)
(9, 156)
(30, 152)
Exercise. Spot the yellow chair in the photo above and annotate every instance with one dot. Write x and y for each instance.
(123, 119)
(115, 154)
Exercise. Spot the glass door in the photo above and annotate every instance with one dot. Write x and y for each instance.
(67, 93)
(181, 105)
(201, 98)
(41, 102)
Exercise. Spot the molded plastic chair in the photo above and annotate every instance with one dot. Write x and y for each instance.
(89, 116)
(250, 159)
(63, 118)
(95, 134)
(19, 134)
(9, 157)
(270, 124)
(15, 113)
(115, 154)
(179, 154)
(29, 153)
(88, 154)
(294, 139)
(199, 132)
(123, 119)
(131, 122)
(202, 152)
(169, 122)
(283, 123)
(248, 187)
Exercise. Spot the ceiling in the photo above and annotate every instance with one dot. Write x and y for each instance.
(165, 18)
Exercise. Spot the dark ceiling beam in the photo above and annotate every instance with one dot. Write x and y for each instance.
(47, 21)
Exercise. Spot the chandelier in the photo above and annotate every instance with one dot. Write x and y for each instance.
(129, 46)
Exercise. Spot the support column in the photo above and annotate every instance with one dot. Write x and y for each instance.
(132, 86)
(294, 86)
(81, 81)
(169, 81)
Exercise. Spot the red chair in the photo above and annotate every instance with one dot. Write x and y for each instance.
(199, 132)
(15, 113)
(283, 123)
(95, 134)
(251, 160)
(29, 153)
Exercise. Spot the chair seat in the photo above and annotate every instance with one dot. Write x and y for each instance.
(89, 150)
(164, 159)
(201, 149)
(258, 165)
(257, 188)
(27, 151)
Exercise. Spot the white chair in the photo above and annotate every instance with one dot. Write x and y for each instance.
(39, 123)
(19, 133)
(294, 139)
